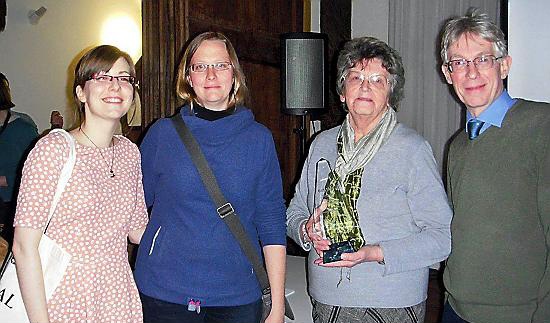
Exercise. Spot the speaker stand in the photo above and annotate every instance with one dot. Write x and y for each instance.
(301, 132)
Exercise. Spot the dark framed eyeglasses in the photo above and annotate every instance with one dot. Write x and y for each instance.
(121, 79)
(202, 67)
(483, 62)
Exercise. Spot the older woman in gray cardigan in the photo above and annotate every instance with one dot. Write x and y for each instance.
(383, 201)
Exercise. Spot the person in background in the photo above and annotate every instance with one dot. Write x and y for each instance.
(385, 178)
(56, 120)
(16, 138)
(498, 181)
(190, 268)
(101, 207)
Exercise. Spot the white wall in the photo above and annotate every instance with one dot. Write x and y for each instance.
(36, 58)
(529, 45)
(315, 15)
(370, 18)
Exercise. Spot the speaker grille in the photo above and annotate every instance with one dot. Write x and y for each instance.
(303, 75)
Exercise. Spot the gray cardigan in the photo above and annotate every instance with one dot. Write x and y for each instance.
(402, 207)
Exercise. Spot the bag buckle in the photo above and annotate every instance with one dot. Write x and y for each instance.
(225, 210)
(266, 297)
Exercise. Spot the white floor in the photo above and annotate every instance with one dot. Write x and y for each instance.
(296, 289)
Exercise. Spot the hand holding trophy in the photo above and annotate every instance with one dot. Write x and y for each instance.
(313, 229)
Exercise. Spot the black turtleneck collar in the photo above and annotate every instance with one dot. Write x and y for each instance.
(211, 115)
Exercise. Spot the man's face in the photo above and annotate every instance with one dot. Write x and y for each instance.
(477, 89)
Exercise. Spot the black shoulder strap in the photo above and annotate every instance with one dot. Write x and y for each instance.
(224, 208)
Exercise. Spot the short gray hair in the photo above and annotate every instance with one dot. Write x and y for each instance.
(474, 22)
(362, 48)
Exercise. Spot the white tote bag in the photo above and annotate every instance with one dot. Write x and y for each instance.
(54, 259)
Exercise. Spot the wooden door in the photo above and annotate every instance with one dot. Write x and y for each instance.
(254, 28)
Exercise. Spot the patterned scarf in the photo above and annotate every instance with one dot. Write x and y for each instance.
(340, 219)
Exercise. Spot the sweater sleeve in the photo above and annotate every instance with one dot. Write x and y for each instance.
(148, 149)
(543, 199)
(139, 217)
(298, 209)
(431, 214)
(270, 207)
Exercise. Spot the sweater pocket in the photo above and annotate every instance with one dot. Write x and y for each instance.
(155, 241)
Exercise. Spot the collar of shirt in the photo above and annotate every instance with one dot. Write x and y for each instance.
(495, 112)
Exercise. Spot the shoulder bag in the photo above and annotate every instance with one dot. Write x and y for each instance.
(53, 258)
(227, 214)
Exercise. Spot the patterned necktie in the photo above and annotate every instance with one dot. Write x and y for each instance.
(474, 126)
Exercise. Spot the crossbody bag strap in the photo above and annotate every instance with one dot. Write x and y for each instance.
(224, 208)
(65, 175)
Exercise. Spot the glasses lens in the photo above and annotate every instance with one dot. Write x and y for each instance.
(102, 78)
(378, 81)
(484, 62)
(222, 66)
(126, 79)
(458, 64)
(199, 67)
(354, 78)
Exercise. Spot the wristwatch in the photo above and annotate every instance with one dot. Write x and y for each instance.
(305, 237)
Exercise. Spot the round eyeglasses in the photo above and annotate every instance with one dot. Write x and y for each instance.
(356, 79)
(202, 67)
(121, 79)
(483, 62)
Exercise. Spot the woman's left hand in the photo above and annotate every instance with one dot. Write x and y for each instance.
(350, 259)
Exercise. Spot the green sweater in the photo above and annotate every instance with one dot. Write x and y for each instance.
(499, 187)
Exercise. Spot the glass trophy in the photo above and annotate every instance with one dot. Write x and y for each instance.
(322, 171)
(340, 221)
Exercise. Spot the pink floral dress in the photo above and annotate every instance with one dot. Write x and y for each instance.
(92, 221)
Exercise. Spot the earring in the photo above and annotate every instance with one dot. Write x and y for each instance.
(345, 106)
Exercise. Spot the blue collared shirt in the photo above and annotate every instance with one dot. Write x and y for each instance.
(495, 112)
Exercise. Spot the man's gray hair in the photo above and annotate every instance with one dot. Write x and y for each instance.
(476, 23)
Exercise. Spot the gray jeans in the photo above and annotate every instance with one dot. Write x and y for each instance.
(323, 313)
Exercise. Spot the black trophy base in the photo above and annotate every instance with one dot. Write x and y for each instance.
(336, 250)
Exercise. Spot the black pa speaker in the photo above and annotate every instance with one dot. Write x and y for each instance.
(303, 72)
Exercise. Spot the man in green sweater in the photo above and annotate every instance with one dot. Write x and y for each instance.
(498, 181)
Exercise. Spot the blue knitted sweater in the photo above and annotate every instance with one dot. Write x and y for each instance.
(187, 252)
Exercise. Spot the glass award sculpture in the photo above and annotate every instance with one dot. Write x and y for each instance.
(322, 171)
(340, 221)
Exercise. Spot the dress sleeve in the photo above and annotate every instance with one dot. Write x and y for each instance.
(140, 217)
(41, 173)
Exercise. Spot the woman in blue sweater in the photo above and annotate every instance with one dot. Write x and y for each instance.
(190, 268)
